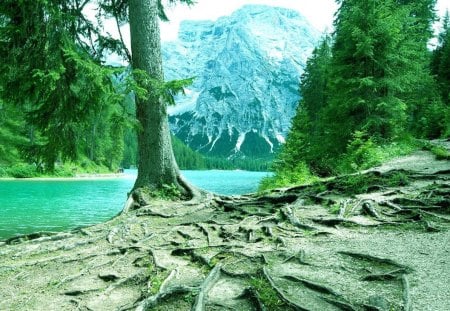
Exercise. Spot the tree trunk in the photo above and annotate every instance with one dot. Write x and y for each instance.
(157, 165)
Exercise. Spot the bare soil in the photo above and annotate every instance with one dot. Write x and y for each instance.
(378, 240)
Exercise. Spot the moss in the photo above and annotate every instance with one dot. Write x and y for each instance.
(440, 153)
(166, 192)
(267, 294)
(156, 280)
(334, 209)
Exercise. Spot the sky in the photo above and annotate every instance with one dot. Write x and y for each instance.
(319, 12)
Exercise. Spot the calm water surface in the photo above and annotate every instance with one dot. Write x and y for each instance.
(54, 205)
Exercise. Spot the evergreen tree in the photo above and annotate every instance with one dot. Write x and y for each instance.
(51, 73)
(12, 137)
(419, 89)
(372, 87)
(440, 66)
(366, 73)
(308, 129)
(157, 166)
(380, 80)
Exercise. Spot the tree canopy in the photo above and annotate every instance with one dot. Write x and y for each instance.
(59, 99)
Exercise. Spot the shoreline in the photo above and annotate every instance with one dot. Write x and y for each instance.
(87, 176)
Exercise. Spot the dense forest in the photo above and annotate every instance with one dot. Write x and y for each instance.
(369, 91)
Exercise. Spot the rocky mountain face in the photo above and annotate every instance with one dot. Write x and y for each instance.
(247, 68)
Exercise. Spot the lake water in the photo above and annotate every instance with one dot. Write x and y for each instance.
(28, 206)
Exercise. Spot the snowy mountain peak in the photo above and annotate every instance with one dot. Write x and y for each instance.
(247, 68)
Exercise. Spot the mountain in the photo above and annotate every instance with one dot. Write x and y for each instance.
(247, 68)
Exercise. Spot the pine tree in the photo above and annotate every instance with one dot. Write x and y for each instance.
(308, 130)
(51, 74)
(419, 89)
(369, 89)
(12, 137)
(366, 73)
(440, 66)
(157, 166)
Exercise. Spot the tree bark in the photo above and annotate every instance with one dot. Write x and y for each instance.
(156, 165)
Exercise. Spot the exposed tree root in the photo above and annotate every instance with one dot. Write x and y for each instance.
(406, 295)
(340, 304)
(42, 236)
(298, 257)
(164, 292)
(369, 209)
(395, 207)
(311, 285)
(246, 239)
(251, 294)
(289, 214)
(282, 295)
(204, 231)
(391, 275)
(208, 283)
(375, 259)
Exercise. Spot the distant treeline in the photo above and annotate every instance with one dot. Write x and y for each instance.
(189, 159)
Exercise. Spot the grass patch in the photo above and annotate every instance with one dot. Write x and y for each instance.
(334, 209)
(166, 193)
(268, 296)
(300, 174)
(362, 153)
(157, 278)
(440, 153)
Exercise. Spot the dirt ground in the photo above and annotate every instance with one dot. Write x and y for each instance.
(378, 240)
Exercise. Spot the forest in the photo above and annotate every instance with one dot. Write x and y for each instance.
(371, 91)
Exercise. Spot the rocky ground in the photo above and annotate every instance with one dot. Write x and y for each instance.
(378, 240)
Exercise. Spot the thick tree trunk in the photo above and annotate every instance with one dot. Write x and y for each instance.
(157, 165)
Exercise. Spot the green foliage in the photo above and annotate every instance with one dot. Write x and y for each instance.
(12, 135)
(156, 279)
(299, 174)
(161, 11)
(334, 209)
(440, 66)
(366, 90)
(145, 86)
(166, 192)
(54, 78)
(186, 157)
(268, 296)
(362, 152)
(440, 152)
(66, 169)
(21, 171)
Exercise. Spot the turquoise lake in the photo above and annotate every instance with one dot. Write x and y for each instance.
(28, 206)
